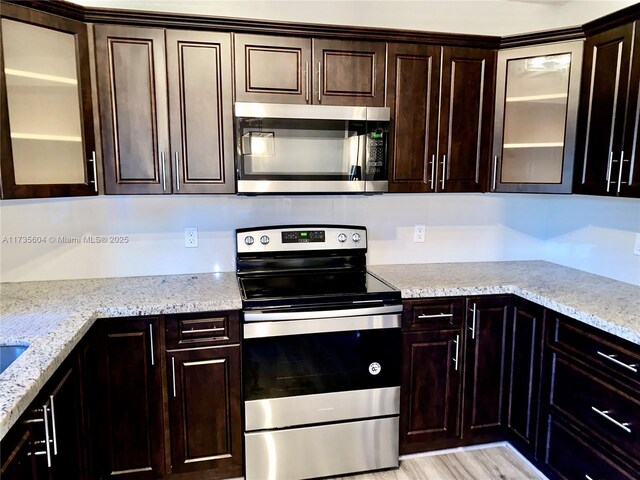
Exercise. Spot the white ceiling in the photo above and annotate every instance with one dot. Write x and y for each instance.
(489, 17)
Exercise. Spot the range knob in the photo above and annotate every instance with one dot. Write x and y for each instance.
(342, 238)
(248, 240)
(355, 237)
(264, 239)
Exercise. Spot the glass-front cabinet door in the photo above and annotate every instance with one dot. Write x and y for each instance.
(536, 113)
(47, 121)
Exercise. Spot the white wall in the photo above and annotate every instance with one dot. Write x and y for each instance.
(590, 233)
(486, 17)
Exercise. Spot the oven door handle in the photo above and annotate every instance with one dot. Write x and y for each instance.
(320, 325)
(260, 316)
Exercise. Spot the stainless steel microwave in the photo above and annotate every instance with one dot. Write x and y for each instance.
(311, 148)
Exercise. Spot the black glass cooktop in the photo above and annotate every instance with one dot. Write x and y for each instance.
(305, 288)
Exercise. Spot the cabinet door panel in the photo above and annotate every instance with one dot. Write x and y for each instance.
(485, 364)
(602, 110)
(129, 399)
(629, 175)
(414, 78)
(132, 92)
(199, 69)
(431, 393)
(47, 138)
(524, 373)
(351, 73)
(205, 410)
(466, 111)
(272, 69)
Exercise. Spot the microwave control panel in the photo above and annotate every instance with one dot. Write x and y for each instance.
(376, 155)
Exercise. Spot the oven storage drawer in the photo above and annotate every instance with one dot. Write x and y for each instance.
(572, 458)
(189, 330)
(321, 408)
(321, 451)
(600, 408)
(614, 356)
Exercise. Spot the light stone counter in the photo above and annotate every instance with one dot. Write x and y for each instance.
(609, 305)
(52, 317)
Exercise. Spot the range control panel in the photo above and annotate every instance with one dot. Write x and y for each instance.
(297, 238)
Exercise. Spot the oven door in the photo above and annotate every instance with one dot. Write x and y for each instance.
(319, 370)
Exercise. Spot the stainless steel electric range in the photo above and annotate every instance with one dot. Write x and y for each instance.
(321, 353)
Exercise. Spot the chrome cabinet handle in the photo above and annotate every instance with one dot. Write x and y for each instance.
(319, 81)
(53, 425)
(455, 359)
(204, 330)
(46, 434)
(444, 169)
(437, 315)
(163, 171)
(173, 375)
(605, 414)
(177, 162)
(613, 358)
(95, 171)
(433, 171)
(306, 82)
(153, 360)
(495, 173)
(587, 477)
(620, 170)
(473, 322)
(609, 170)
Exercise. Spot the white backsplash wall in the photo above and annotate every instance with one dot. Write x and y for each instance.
(590, 233)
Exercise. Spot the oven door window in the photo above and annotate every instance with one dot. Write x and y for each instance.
(320, 363)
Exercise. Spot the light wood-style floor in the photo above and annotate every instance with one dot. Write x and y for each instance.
(492, 463)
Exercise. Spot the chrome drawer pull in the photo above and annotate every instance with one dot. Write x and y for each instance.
(203, 330)
(587, 477)
(437, 315)
(604, 414)
(613, 358)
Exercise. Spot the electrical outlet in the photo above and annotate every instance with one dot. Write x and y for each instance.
(418, 233)
(191, 237)
(636, 247)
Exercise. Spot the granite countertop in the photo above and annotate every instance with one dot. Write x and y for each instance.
(52, 317)
(610, 305)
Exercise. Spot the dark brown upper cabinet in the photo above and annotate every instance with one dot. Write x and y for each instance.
(159, 143)
(629, 174)
(413, 83)
(46, 115)
(272, 69)
(132, 91)
(537, 94)
(607, 120)
(305, 71)
(466, 113)
(440, 141)
(349, 72)
(200, 111)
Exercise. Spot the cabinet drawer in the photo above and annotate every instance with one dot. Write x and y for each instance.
(436, 314)
(600, 408)
(593, 347)
(202, 329)
(572, 458)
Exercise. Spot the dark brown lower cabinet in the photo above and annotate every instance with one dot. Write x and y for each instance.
(127, 407)
(487, 320)
(47, 441)
(204, 411)
(523, 374)
(431, 389)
